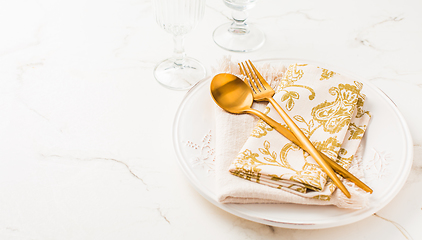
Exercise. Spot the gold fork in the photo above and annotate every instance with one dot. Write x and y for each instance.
(336, 167)
(262, 91)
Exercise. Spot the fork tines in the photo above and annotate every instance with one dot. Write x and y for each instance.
(255, 80)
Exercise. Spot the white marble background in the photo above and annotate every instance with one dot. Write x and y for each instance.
(86, 151)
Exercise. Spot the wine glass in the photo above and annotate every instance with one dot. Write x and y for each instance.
(179, 17)
(238, 36)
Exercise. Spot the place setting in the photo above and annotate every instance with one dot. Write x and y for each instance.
(264, 178)
(285, 142)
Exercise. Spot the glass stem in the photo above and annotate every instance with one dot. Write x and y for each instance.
(179, 50)
(239, 25)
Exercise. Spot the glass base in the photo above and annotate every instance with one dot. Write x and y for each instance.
(179, 76)
(238, 42)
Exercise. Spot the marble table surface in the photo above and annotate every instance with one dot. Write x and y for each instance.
(86, 153)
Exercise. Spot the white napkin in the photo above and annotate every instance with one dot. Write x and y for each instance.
(233, 131)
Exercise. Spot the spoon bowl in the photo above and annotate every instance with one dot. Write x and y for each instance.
(231, 93)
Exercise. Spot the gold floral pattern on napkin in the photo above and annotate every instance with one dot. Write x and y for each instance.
(328, 108)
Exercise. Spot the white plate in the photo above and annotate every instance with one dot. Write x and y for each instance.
(387, 158)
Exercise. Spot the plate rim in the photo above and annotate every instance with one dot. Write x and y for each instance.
(361, 214)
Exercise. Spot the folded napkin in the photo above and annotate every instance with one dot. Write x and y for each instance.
(328, 107)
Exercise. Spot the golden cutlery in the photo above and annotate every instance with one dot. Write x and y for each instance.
(235, 96)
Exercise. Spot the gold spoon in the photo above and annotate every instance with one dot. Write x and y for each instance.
(235, 96)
